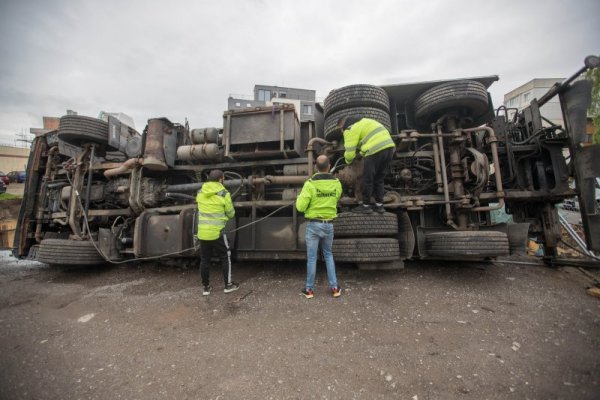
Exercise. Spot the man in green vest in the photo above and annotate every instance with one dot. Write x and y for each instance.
(214, 210)
(318, 201)
(373, 142)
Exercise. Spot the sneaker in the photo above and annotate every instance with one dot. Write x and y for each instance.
(232, 287)
(379, 208)
(308, 293)
(362, 209)
(336, 291)
(206, 290)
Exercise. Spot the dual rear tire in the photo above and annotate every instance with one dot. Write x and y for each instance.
(362, 101)
(370, 238)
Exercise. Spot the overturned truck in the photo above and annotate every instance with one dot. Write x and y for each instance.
(98, 191)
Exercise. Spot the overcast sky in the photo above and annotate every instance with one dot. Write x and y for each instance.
(182, 59)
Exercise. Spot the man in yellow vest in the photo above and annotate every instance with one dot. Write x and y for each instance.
(214, 210)
(372, 141)
(318, 201)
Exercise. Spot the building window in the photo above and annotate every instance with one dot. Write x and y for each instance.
(248, 105)
(526, 97)
(264, 95)
(283, 95)
(238, 104)
(307, 109)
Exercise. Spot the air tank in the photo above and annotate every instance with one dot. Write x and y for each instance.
(200, 152)
(205, 135)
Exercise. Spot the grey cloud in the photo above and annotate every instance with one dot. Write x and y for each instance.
(182, 59)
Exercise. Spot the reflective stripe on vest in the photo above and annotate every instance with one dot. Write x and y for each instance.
(370, 135)
(379, 146)
(211, 215)
(211, 222)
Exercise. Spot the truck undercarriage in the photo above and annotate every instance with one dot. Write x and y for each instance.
(98, 191)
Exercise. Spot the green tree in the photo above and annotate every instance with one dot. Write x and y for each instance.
(594, 111)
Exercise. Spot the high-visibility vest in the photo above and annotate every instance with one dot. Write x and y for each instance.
(214, 210)
(366, 136)
(319, 196)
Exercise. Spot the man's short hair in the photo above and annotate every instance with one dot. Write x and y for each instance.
(322, 164)
(215, 175)
(347, 121)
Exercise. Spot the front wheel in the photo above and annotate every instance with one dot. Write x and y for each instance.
(68, 252)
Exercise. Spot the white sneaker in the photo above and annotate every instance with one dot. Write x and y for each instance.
(232, 287)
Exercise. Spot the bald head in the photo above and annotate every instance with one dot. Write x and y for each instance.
(322, 163)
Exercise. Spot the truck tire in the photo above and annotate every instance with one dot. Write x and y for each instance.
(68, 252)
(356, 96)
(333, 133)
(406, 236)
(349, 224)
(366, 250)
(77, 130)
(478, 244)
(470, 97)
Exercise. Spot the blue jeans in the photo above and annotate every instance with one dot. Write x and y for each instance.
(318, 232)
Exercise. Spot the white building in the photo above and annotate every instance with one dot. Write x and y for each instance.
(520, 98)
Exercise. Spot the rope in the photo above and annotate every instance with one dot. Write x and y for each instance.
(195, 248)
(258, 220)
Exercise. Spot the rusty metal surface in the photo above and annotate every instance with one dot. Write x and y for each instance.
(264, 132)
(156, 234)
(273, 234)
(27, 210)
(267, 125)
(154, 156)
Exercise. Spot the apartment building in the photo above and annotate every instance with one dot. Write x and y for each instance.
(265, 95)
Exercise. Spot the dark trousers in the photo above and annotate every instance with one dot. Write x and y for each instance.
(375, 168)
(215, 248)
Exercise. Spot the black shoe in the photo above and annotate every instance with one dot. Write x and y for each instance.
(308, 293)
(379, 209)
(362, 209)
(206, 290)
(232, 287)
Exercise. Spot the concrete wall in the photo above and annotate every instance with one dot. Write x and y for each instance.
(13, 158)
(240, 104)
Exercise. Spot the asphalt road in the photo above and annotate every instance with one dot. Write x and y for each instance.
(431, 331)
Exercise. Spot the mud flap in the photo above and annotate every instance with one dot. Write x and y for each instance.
(575, 101)
(586, 170)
